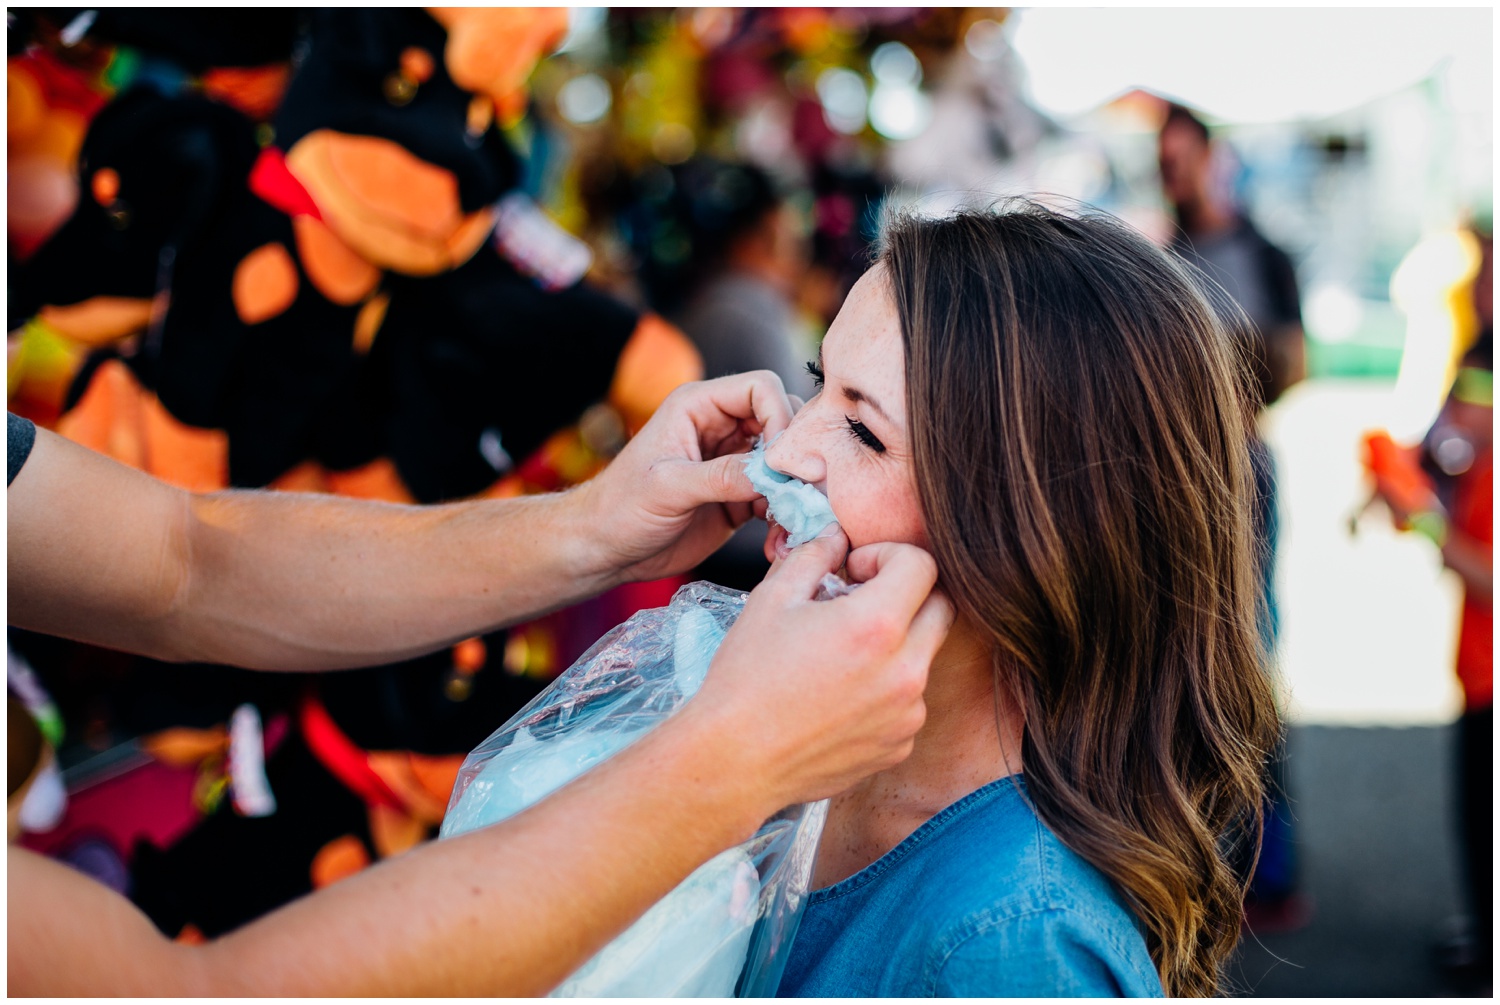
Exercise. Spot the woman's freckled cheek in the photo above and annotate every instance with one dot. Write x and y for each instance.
(873, 508)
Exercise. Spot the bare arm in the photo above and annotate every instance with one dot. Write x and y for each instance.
(1474, 561)
(512, 909)
(105, 554)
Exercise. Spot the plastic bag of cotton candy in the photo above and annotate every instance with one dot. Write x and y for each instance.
(726, 928)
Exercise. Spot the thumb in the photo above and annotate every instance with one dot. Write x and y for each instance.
(720, 480)
(796, 576)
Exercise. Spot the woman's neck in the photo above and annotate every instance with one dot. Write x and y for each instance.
(963, 745)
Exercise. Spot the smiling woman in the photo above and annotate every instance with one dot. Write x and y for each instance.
(1048, 404)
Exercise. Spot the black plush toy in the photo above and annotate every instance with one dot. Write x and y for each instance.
(336, 308)
(243, 341)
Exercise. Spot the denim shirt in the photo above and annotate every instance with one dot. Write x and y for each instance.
(982, 900)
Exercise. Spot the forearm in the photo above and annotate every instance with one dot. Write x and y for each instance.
(514, 908)
(299, 582)
(107, 555)
(509, 910)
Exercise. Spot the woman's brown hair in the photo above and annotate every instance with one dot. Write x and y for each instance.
(1078, 424)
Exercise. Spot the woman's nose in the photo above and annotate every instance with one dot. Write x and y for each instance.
(794, 452)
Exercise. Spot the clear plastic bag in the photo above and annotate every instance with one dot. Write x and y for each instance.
(723, 931)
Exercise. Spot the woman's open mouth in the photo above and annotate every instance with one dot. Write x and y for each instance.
(776, 546)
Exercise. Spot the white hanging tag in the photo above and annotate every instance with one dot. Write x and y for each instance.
(247, 765)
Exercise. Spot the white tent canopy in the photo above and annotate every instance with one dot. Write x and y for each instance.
(1248, 66)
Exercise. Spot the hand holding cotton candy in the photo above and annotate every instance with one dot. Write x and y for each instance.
(799, 508)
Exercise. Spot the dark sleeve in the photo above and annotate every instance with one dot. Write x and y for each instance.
(1281, 286)
(20, 434)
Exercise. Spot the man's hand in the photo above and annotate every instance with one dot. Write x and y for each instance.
(678, 489)
(815, 695)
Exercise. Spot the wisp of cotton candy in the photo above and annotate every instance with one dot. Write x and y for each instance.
(799, 508)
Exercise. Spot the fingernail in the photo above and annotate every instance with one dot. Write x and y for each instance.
(831, 530)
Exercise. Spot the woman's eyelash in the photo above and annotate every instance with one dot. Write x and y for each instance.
(816, 372)
(862, 433)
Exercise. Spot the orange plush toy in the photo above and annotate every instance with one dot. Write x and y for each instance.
(390, 125)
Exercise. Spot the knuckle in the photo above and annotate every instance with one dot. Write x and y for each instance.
(918, 716)
(680, 394)
(819, 549)
(723, 474)
(899, 752)
(768, 378)
(880, 632)
(909, 726)
(922, 563)
(909, 694)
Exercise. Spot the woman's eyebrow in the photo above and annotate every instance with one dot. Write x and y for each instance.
(854, 394)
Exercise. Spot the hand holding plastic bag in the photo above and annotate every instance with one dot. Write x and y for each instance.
(725, 929)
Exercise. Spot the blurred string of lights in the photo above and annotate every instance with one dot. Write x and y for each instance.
(640, 77)
(858, 83)
(812, 96)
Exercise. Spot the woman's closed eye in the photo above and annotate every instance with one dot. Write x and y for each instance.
(857, 429)
(861, 432)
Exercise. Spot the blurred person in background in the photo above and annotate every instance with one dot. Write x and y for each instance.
(752, 251)
(1217, 238)
(1458, 456)
(722, 253)
(727, 254)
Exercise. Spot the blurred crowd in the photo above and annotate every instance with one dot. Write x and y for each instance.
(422, 257)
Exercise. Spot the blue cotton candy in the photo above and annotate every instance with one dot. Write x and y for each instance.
(530, 769)
(798, 507)
(693, 942)
(527, 770)
(693, 646)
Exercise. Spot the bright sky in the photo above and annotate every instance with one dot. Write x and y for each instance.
(1243, 66)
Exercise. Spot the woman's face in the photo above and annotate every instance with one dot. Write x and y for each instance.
(850, 439)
